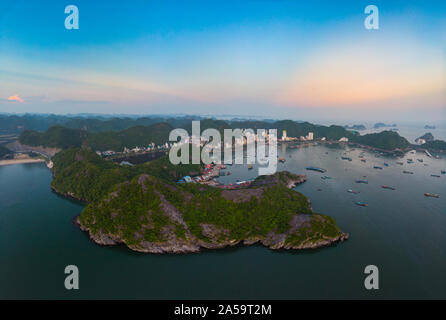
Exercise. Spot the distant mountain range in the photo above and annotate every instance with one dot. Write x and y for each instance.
(140, 135)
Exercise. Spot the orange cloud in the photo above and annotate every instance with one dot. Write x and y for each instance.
(16, 98)
(369, 75)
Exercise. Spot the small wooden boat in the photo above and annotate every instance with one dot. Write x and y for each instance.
(432, 195)
(362, 204)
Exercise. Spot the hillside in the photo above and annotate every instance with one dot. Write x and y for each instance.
(387, 140)
(54, 137)
(439, 145)
(63, 138)
(151, 215)
(83, 175)
(132, 137)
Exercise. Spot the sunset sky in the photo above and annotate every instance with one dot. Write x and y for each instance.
(280, 59)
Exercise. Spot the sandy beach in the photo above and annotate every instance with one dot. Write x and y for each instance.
(19, 161)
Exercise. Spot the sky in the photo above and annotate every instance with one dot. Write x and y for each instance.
(304, 60)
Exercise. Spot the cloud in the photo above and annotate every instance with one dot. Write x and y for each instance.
(16, 98)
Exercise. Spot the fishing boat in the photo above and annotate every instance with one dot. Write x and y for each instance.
(407, 172)
(387, 187)
(352, 191)
(361, 204)
(346, 158)
(316, 169)
(362, 181)
(409, 161)
(435, 175)
(420, 160)
(386, 164)
(432, 195)
(377, 167)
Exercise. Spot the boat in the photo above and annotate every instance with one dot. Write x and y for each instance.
(282, 160)
(400, 163)
(377, 167)
(250, 166)
(409, 161)
(407, 172)
(386, 164)
(361, 204)
(443, 171)
(435, 175)
(420, 160)
(228, 173)
(346, 158)
(352, 191)
(387, 187)
(362, 181)
(326, 178)
(432, 195)
(316, 169)
(363, 160)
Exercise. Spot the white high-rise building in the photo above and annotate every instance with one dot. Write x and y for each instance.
(310, 136)
(284, 135)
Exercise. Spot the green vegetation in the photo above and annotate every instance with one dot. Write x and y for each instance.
(387, 140)
(63, 138)
(439, 145)
(130, 138)
(84, 175)
(134, 211)
(4, 151)
(54, 137)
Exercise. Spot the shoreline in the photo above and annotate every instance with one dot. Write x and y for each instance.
(19, 161)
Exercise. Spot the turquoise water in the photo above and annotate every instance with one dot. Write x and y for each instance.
(401, 232)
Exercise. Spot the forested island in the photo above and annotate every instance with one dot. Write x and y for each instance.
(143, 207)
(384, 125)
(358, 127)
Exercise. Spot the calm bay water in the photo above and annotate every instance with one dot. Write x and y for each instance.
(401, 232)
